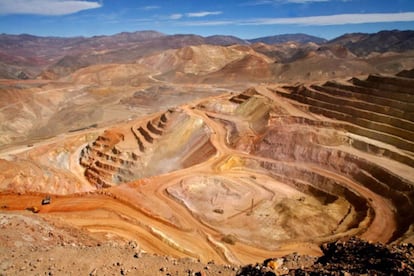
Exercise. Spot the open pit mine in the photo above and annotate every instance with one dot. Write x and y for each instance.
(235, 177)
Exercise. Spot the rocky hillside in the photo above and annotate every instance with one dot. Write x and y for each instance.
(381, 42)
(34, 245)
(26, 56)
(278, 39)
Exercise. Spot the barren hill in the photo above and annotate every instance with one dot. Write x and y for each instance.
(26, 56)
(278, 39)
(384, 41)
(60, 56)
(250, 68)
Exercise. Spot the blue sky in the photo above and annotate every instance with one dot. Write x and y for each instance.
(242, 18)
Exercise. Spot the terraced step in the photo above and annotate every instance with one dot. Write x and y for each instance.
(154, 130)
(138, 139)
(134, 156)
(395, 84)
(363, 130)
(380, 151)
(394, 100)
(360, 109)
(236, 100)
(349, 115)
(95, 179)
(146, 135)
(103, 173)
(160, 122)
(387, 91)
(380, 136)
(406, 74)
(354, 142)
(129, 149)
(105, 166)
(112, 156)
(298, 158)
(320, 186)
(367, 102)
(161, 125)
(163, 118)
(242, 97)
(349, 165)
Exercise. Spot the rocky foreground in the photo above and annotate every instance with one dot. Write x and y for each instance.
(350, 257)
(33, 245)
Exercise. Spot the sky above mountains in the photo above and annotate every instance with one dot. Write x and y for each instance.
(242, 18)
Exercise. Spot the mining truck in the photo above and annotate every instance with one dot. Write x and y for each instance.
(33, 209)
(46, 200)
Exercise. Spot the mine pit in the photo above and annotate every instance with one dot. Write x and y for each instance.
(238, 178)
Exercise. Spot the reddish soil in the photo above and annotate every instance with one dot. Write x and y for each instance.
(214, 183)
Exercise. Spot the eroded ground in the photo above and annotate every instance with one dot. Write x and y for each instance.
(235, 177)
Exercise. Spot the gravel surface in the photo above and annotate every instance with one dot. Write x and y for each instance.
(36, 245)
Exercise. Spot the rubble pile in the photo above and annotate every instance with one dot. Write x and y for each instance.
(351, 257)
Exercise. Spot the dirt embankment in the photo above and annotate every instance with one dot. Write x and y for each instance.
(31, 244)
(36, 245)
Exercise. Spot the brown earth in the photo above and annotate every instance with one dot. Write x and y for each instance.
(34, 245)
(234, 178)
(174, 155)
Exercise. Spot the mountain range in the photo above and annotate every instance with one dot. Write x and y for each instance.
(27, 56)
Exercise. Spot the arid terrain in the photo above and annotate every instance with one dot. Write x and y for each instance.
(148, 154)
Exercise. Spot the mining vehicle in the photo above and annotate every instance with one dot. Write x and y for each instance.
(33, 209)
(46, 200)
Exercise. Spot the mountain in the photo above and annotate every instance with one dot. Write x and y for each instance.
(347, 39)
(32, 54)
(129, 53)
(27, 56)
(126, 53)
(381, 42)
(300, 38)
(225, 40)
(250, 68)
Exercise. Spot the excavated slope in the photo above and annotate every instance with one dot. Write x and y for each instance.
(143, 150)
(238, 178)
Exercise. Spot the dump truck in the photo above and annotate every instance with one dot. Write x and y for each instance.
(33, 209)
(46, 200)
